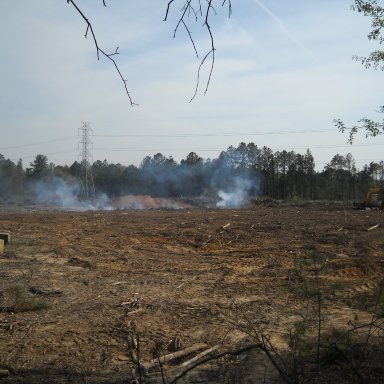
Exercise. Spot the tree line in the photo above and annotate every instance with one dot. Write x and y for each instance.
(263, 172)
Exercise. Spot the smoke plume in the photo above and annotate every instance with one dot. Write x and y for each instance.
(237, 194)
(65, 194)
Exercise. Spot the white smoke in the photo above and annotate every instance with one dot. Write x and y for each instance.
(65, 194)
(238, 194)
(60, 193)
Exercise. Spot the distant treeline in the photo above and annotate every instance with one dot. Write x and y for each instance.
(277, 175)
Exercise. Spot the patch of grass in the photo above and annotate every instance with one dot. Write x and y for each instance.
(25, 246)
(371, 300)
(16, 299)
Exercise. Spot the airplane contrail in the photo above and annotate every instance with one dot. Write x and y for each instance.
(285, 30)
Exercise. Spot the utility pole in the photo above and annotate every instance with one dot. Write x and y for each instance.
(85, 156)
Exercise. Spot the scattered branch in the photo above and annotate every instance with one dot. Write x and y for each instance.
(234, 352)
(99, 50)
(174, 356)
(271, 352)
(200, 355)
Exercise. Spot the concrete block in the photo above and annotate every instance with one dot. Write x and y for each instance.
(5, 235)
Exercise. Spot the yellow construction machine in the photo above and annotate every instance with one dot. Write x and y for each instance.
(374, 199)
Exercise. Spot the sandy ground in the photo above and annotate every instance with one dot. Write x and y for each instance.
(174, 279)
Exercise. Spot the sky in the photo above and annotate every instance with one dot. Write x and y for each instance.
(283, 72)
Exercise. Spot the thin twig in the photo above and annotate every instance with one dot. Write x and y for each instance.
(269, 348)
(161, 371)
(138, 358)
(357, 327)
(212, 44)
(374, 315)
(167, 10)
(190, 9)
(319, 322)
(99, 50)
(190, 38)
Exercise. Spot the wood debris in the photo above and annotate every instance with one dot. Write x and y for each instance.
(192, 361)
(175, 355)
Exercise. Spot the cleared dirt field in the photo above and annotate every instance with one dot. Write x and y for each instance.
(78, 288)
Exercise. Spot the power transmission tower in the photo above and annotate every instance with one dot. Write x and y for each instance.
(87, 184)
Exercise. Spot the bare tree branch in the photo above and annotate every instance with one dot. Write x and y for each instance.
(100, 50)
(212, 44)
(199, 11)
(167, 10)
(229, 7)
(190, 37)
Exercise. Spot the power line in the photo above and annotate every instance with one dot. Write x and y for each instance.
(38, 143)
(46, 154)
(158, 149)
(225, 134)
(179, 135)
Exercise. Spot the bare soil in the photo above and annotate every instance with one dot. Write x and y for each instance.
(173, 279)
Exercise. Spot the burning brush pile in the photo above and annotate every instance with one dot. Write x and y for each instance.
(146, 202)
(59, 194)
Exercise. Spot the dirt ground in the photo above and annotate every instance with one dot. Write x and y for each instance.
(86, 294)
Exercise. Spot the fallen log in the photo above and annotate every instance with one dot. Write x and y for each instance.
(235, 352)
(199, 356)
(174, 356)
(4, 373)
(47, 293)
